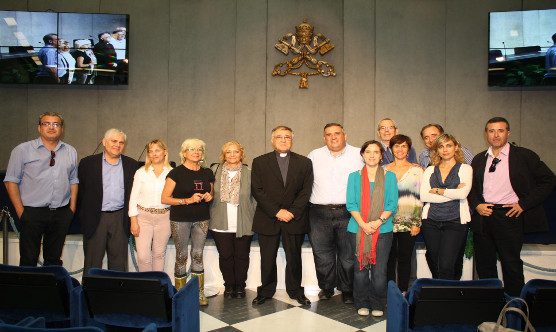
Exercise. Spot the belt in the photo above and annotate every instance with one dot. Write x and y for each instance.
(112, 211)
(153, 210)
(500, 207)
(47, 207)
(329, 206)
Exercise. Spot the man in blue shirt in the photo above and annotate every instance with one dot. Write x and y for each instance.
(51, 68)
(386, 130)
(328, 215)
(429, 133)
(42, 183)
(104, 190)
(550, 58)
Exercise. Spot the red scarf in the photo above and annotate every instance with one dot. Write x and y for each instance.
(368, 257)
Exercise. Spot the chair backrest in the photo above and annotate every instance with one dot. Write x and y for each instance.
(434, 301)
(541, 298)
(128, 299)
(34, 291)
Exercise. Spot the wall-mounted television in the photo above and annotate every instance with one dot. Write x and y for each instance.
(522, 48)
(64, 48)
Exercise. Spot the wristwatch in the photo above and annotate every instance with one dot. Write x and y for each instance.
(383, 220)
(180, 202)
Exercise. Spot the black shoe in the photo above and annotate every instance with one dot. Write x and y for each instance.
(228, 292)
(240, 292)
(326, 294)
(347, 297)
(260, 299)
(301, 299)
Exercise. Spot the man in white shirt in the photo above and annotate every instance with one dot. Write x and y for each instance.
(328, 215)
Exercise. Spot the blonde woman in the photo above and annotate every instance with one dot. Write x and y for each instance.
(189, 188)
(231, 219)
(150, 219)
(444, 189)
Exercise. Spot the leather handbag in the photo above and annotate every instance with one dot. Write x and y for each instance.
(500, 324)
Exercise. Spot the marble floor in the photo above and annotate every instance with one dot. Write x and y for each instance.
(284, 314)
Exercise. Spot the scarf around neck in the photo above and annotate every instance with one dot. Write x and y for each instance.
(371, 209)
(229, 190)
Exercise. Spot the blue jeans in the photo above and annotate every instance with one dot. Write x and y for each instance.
(370, 283)
(444, 240)
(331, 248)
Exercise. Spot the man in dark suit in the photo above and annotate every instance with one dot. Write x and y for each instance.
(509, 185)
(104, 189)
(281, 183)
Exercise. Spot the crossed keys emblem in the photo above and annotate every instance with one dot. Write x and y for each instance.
(305, 45)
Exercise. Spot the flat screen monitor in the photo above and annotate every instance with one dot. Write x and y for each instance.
(522, 48)
(64, 48)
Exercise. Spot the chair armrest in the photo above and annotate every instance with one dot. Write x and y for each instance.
(397, 315)
(185, 307)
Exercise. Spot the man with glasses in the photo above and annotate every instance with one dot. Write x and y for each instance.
(386, 130)
(104, 190)
(328, 215)
(510, 184)
(281, 183)
(42, 182)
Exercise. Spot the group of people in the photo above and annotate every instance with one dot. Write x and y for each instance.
(103, 63)
(362, 207)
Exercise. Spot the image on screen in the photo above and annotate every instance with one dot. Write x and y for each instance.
(522, 48)
(64, 48)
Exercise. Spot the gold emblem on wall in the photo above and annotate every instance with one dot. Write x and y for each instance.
(305, 45)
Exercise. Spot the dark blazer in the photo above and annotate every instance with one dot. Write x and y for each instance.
(531, 180)
(267, 187)
(90, 191)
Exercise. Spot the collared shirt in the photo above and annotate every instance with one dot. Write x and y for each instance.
(497, 188)
(388, 157)
(425, 157)
(283, 163)
(113, 191)
(42, 185)
(147, 190)
(119, 46)
(331, 174)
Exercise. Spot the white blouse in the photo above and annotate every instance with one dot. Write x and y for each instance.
(147, 190)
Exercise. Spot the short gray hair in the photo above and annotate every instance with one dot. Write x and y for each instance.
(113, 131)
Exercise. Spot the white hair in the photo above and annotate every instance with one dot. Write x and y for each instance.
(113, 131)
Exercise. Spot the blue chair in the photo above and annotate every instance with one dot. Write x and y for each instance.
(113, 299)
(442, 305)
(540, 296)
(36, 292)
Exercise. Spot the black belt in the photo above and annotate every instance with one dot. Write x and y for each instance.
(47, 207)
(112, 211)
(329, 206)
(500, 207)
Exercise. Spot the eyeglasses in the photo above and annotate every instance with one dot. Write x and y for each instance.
(387, 127)
(286, 137)
(52, 160)
(51, 124)
(492, 167)
(194, 150)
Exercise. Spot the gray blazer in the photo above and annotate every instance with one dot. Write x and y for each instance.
(245, 211)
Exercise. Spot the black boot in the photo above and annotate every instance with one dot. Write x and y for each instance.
(228, 291)
(240, 292)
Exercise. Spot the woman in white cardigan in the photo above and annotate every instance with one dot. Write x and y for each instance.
(444, 189)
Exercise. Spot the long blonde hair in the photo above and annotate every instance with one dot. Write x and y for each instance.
(163, 146)
(435, 157)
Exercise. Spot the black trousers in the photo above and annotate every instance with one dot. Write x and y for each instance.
(269, 249)
(503, 235)
(50, 226)
(109, 238)
(403, 245)
(233, 257)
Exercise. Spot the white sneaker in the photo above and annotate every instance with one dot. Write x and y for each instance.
(376, 313)
(363, 312)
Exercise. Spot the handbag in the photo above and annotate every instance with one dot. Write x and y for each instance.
(500, 324)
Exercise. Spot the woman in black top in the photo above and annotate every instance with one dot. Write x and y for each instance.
(84, 62)
(188, 190)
